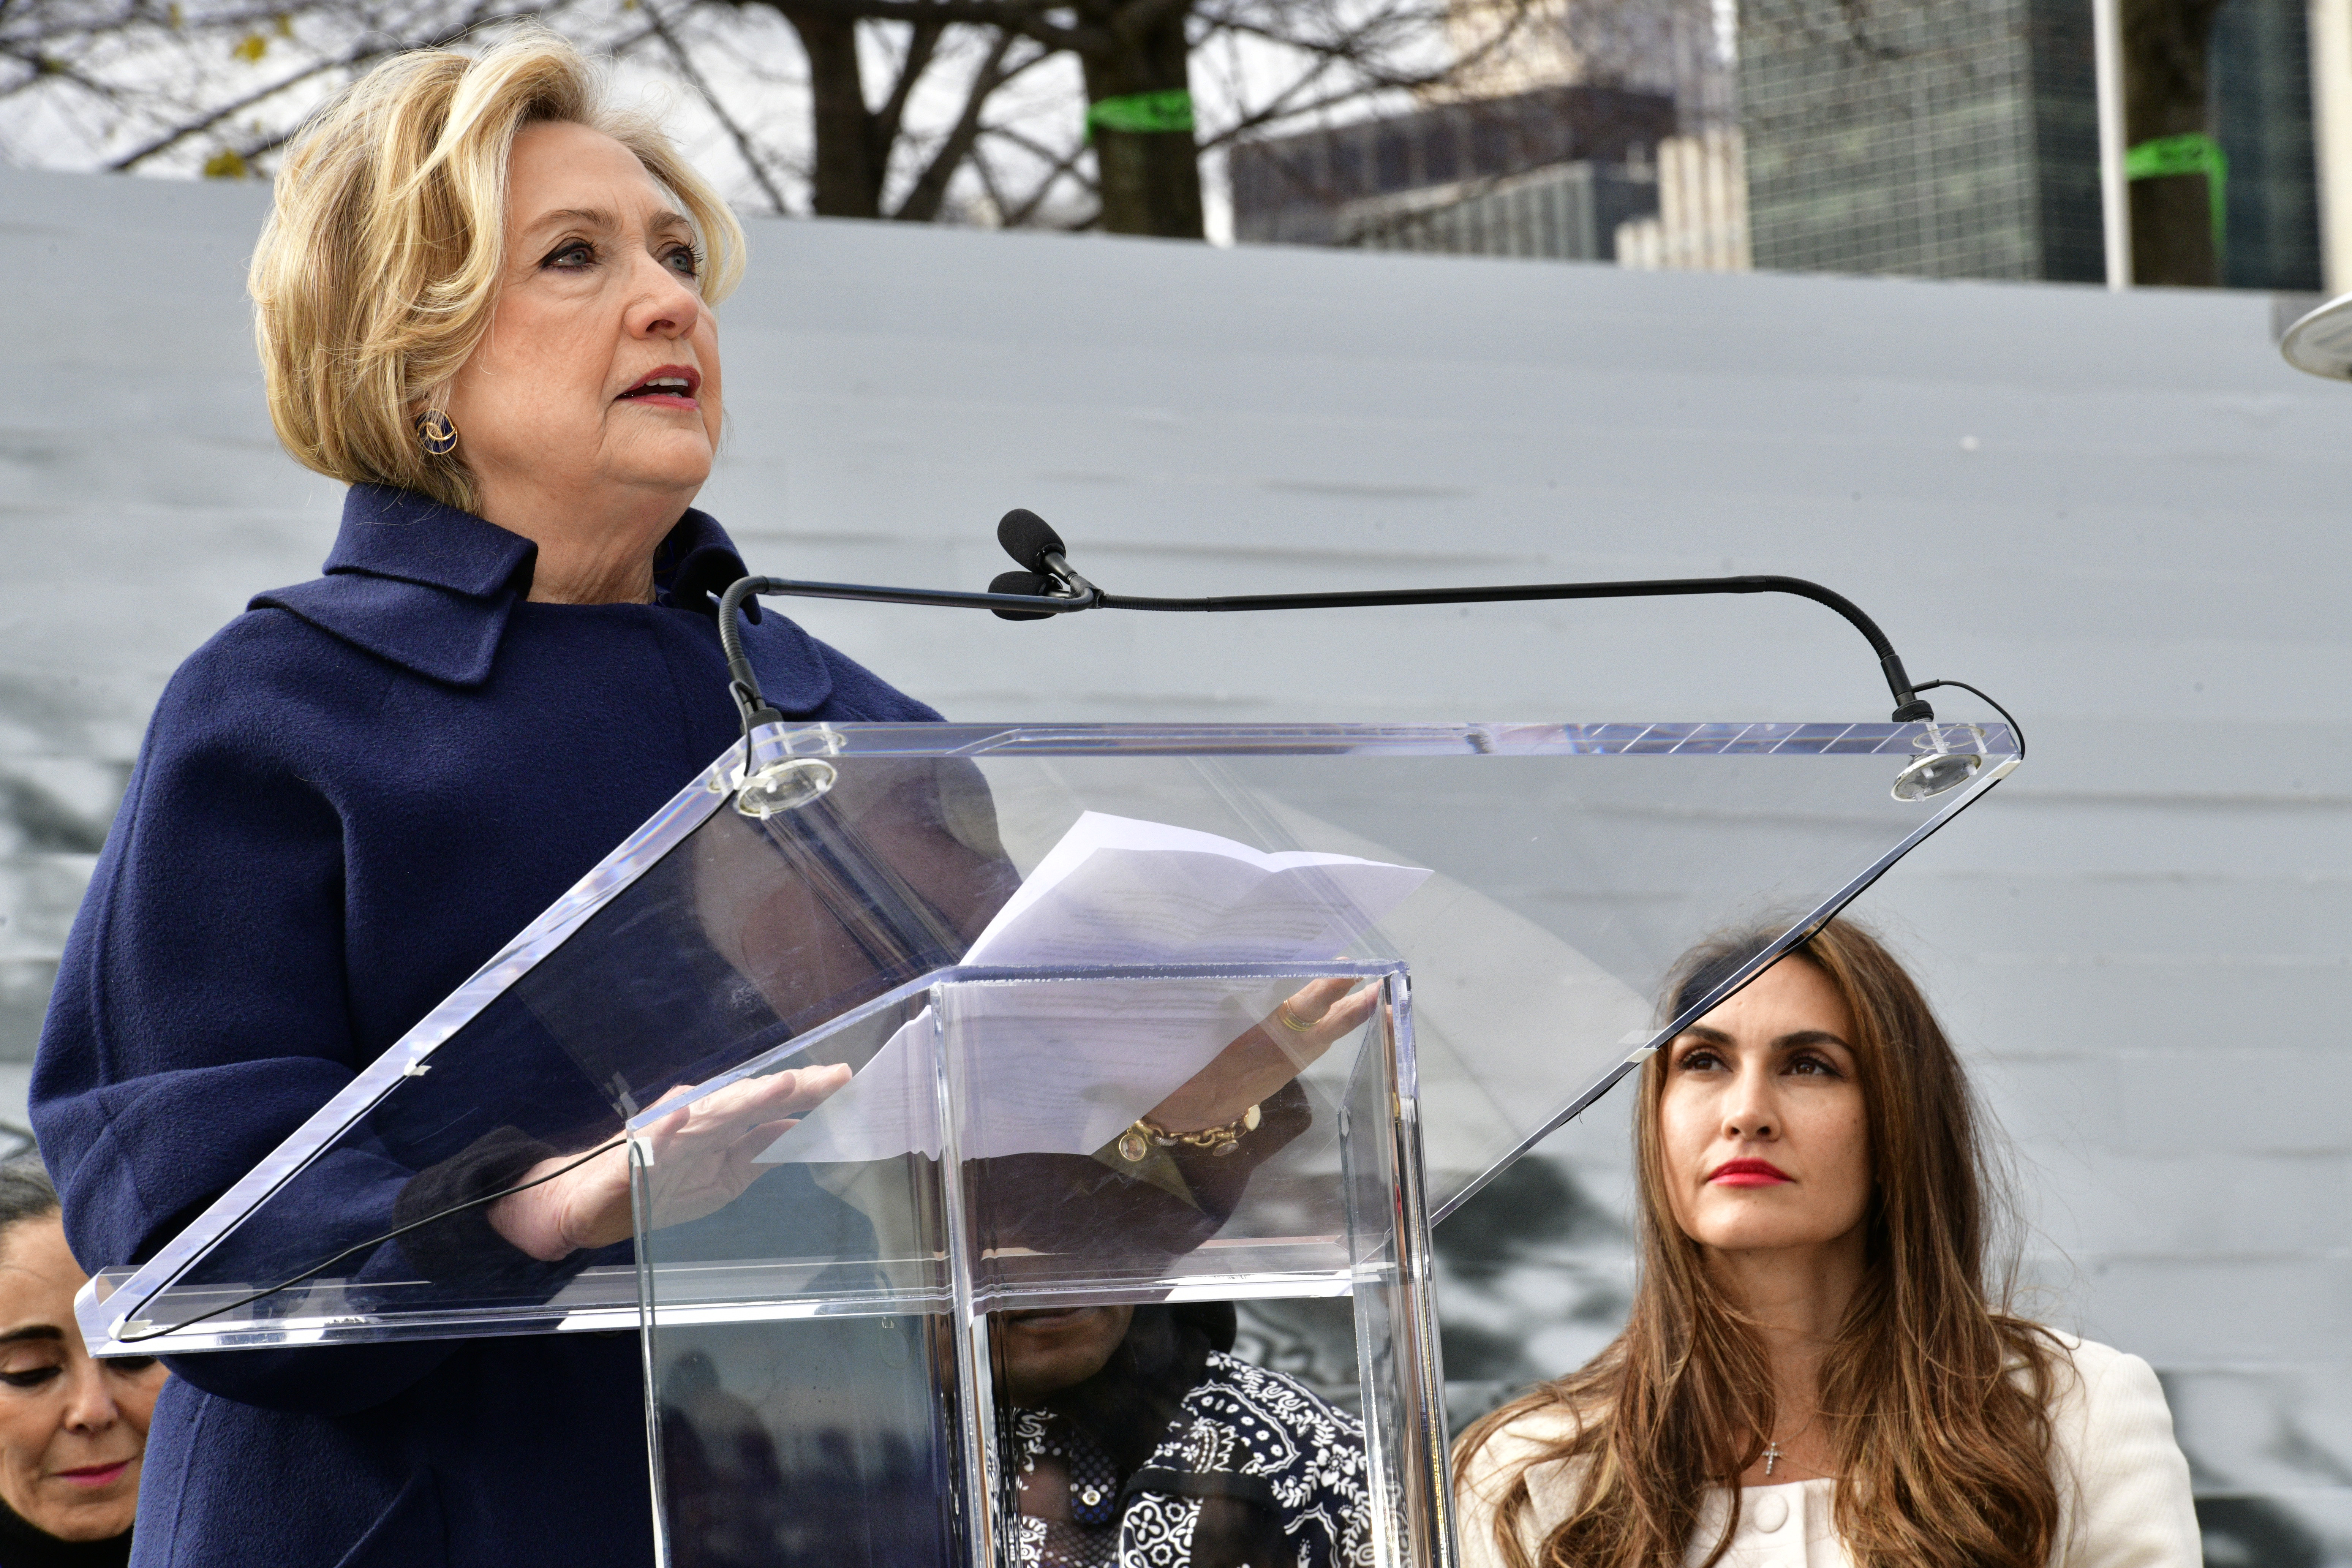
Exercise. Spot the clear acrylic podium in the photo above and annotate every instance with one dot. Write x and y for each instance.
(1137, 1018)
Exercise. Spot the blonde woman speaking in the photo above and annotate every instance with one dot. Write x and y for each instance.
(484, 301)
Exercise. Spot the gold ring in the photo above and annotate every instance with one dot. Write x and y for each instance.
(1293, 1025)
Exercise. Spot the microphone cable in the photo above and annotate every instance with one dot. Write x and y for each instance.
(1050, 586)
(2015, 727)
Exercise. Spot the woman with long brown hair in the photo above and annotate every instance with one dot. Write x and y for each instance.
(1821, 1367)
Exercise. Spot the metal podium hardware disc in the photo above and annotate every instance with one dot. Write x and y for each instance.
(1932, 775)
(1939, 766)
(785, 785)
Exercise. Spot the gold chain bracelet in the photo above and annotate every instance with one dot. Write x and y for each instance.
(1135, 1145)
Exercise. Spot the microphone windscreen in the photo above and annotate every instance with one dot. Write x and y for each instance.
(1028, 538)
(1029, 582)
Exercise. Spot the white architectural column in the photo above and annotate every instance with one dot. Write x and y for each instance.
(2114, 184)
(2331, 116)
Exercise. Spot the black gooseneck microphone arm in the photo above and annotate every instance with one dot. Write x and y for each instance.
(1052, 587)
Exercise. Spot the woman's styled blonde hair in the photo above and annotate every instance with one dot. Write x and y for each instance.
(378, 270)
(1934, 1396)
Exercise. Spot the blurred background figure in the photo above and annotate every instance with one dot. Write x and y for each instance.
(1138, 1437)
(72, 1429)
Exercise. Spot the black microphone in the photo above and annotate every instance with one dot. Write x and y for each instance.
(1028, 539)
(1027, 585)
(1031, 540)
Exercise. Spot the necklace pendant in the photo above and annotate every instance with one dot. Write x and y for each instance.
(1771, 1456)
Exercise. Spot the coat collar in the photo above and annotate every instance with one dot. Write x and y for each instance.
(410, 538)
(431, 588)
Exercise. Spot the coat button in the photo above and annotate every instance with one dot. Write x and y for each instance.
(1770, 1512)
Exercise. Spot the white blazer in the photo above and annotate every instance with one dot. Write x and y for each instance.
(2123, 1486)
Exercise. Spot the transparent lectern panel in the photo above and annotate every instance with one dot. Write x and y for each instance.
(707, 939)
(1178, 1136)
(1113, 1157)
(1087, 1134)
(816, 1440)
(836, 1440)
(1534, 883)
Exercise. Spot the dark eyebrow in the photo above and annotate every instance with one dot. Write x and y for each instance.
(588, 215)
(1789, 1042)
(593, 219)
(37, 1331)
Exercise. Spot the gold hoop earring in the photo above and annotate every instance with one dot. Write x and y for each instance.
(435, 434)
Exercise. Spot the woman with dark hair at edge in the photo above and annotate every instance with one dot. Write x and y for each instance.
(1820, 1367)
(73, 1429)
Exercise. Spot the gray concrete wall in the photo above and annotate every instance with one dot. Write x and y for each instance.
(2121, 515)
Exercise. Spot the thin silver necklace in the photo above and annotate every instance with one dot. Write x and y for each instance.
(1772, 1455)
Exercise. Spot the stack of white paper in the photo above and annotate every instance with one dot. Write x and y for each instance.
(1063, 1068)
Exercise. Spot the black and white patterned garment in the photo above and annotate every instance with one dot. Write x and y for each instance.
(1254, 1471)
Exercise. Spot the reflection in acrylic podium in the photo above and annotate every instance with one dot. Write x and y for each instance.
(1143, 1020)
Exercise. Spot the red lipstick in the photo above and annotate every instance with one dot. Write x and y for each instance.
(666, 386)
(1747, 1174)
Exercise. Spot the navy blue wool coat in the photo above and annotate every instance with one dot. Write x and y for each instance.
(333, 823)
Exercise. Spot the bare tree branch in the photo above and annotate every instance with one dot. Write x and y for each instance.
(922, 203)
(988, 97)
(1061, 169)
(753, 161)
(922, 42)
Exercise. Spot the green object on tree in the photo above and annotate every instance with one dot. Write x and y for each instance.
(2191, 153)
(1142, 113)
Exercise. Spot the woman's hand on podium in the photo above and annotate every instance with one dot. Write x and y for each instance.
(1256, 1065)
(702, 1159)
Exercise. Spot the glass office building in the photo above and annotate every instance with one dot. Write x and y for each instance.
(1961, 140)
(1951, 140)
(1342, 184)
(2261, 115)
